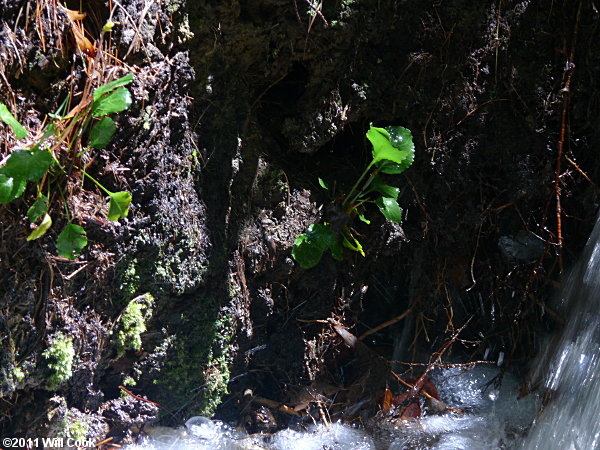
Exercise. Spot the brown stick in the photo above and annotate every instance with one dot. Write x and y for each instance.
(385, 324)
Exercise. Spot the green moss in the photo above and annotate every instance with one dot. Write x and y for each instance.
(59, 358)
(78, 430)
(133, 323)
(197, 373)
(18, 374)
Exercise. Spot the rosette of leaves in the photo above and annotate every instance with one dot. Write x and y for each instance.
(39, 163)
(393, 152)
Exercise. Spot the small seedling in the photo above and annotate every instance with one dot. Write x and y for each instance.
(393, 153)
(41, 163)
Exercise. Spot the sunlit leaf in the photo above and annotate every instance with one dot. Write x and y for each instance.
(119, 205)
(112, 85)
(350, 242)
(114, 102)
(41, 229)
(102, 132)
(38, 209)
(390, 209)
(11, 188)
(382, 147)
(9, 119)
(400, 138)
(28, 164)
(71, 241)
(323, 184)
(364, 219)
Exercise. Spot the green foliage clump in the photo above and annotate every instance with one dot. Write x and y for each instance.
(41, 162)
(59, 357)
(133, 323)
(393, 153)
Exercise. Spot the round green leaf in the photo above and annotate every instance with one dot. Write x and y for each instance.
(390, 209)
(41, 229)
(38, 209)
(28, 164)
(386, 190)
(306, 253)
(382, 147)
(11, 188)
(116, 101)
(400, 138)
(71, 241)
(119, 205)
(102, 132)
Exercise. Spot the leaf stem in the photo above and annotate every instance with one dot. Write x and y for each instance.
(97, 183)
(346, 202)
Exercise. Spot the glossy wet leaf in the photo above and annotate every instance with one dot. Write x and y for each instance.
(383, 148)
(390, 209)
(11, 188)
(41, 229)
(71, 241)
(116, 101)
(28, 164)
(9, 119)
(102, 132)
(38, 209)
(112, 85)
(119, 205)
(401, 139)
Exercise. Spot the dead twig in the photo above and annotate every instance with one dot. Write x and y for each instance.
(385, 324)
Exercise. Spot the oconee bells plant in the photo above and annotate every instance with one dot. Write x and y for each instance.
(41, 163)
(393, 153)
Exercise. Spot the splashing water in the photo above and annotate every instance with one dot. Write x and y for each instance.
(571, 365)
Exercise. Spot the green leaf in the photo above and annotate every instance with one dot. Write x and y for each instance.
(9, 119)
(390, 209)
(102, 132)
(41, 229)
(306, 253)
(386, 190)
(119, 205)
(112, 85)
(382, 147)
(323, 184)
(352, 245)
(114, 102)
(71, 241)
(28, 164)
(401, 138)
(38, 209)
(309, 247)
(337, 250)
(364, 219)
(11, 188)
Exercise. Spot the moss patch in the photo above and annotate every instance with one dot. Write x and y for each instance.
(133, 323)
(59, 357)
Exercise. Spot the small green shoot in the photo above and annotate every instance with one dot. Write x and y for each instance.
(393, 152)
(9, 119)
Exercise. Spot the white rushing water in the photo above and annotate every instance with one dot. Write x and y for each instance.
(493, 418)
(571, 364)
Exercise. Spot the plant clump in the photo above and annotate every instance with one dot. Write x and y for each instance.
(393, 152)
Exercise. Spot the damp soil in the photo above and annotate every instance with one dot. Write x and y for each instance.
(239, 107)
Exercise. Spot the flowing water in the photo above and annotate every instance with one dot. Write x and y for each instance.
(493, 417)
